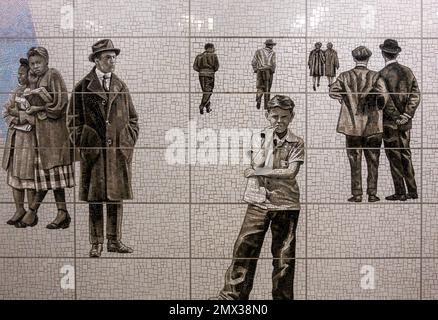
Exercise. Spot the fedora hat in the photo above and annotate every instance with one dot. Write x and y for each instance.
(390, 46)
(101, 46)
(270, 42)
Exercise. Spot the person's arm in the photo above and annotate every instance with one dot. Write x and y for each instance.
(10, 114)
(274, 62)
(336, 60)
(254, 62)
(413, 99)
(295, 159)
(337, 90)
(57, 108)
(287, 173)
(133, 118)
(216, 63)
(75, 117)
(196, 64)
(382, 94)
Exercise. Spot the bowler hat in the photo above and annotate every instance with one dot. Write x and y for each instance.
(101, 46)
(390, 46)
(270, 42)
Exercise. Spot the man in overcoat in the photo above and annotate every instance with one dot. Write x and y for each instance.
(363, 95)
(104, 127)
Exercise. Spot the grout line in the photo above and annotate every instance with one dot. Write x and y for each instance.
(305, 203)
(213, 258)
(201, 36)
(422, 156)
(189, 153)
(307, 138)
(74, 156)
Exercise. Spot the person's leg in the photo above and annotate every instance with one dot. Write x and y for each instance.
(114, 211)
(268, 85)
(62, 219)
(260, 88)
(393, 153)
(18, 195)
(372, 155)
(314, 83)
(209, 85)
(408, 168)
(283, 227)
(31, 214)
(96, 223)
(114, 214)
(31, 193)
(318, 79)
(354, 153)
(202, 83)
(240, 275)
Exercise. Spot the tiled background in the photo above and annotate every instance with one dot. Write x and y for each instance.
(184, 218)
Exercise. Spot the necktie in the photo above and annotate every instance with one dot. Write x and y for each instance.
(106, 82)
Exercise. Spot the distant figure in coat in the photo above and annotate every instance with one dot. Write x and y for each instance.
(331, 63)
(264, 63)
(363, 95)
(206, 64)
(316, 64)
(104, 127)
(405, 97)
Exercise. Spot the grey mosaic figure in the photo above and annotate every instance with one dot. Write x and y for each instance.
(362, 95)
(331, 63)
(264, 64)
(19, 153)
(316, 64)
(104, 127)
(206, 64)
(275, 164)
(53, 156)
(405, 97)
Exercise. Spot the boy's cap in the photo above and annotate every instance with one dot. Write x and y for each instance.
(280, 101)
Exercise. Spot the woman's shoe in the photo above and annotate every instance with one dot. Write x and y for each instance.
(12, 222)
(64, 224)
(22, 224)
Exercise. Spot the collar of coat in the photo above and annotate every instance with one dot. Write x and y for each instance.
(95, 86)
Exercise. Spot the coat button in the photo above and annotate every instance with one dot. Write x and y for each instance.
(109, 142)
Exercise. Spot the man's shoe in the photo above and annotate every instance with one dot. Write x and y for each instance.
(118, 246)
(373, 198)
(96, 250)
(355, 199)
(314, 88)
(207, 107)
(258, 105)
(412, 196)
(201, 110)
(396, 197)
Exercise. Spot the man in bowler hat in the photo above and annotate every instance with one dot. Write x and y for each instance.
(264, 63)
(104, 127)
(405, 97)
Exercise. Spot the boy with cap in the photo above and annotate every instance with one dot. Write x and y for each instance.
(264, 63)
(405, 98)
(276, 162)
(363, 95)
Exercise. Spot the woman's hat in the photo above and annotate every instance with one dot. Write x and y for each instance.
(390, 46)
(102, 46)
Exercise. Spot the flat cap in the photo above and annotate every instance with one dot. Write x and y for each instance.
(280, 101)
(361, 53)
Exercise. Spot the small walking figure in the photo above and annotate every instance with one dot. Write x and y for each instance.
(331, 63)
(206, 64)
(316, 64)
(264, 64)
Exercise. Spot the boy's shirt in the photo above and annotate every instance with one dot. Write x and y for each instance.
(282, 193)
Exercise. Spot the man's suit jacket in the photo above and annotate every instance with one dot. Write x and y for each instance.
(404, 94)
(362, 95)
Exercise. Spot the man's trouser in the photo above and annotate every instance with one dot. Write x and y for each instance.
(114, 213)
(355, 145)
(400, 159)
(207, 86)
(264, 84)
(239, 277)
